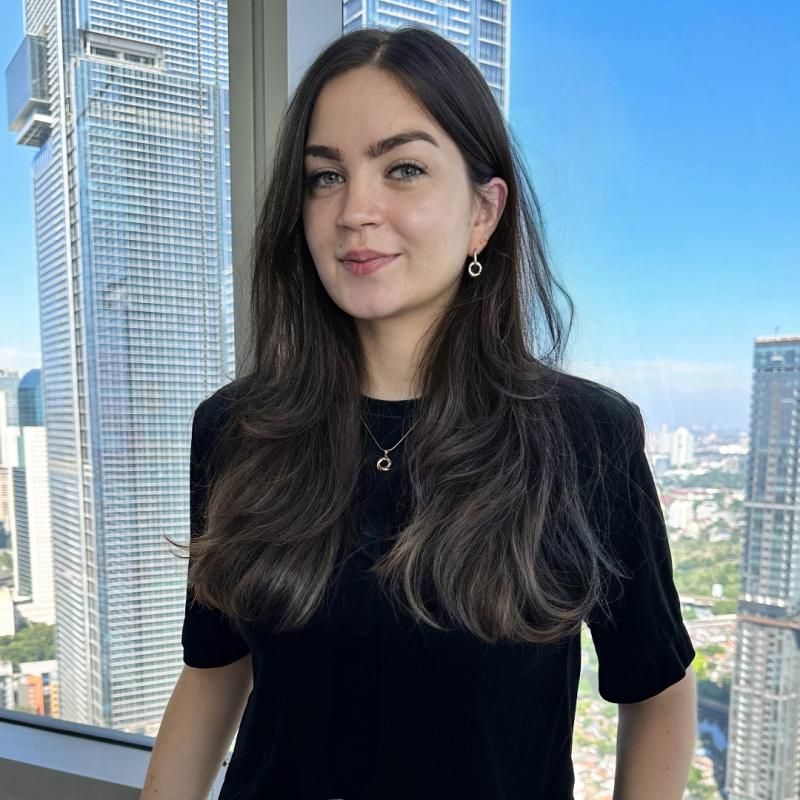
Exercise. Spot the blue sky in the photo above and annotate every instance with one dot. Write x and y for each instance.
(662, 141)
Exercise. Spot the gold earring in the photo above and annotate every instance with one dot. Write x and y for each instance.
(475, 263)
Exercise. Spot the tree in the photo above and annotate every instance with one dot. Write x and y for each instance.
(34, 643)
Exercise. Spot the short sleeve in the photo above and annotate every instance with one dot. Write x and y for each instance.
(647, 647)
(208, 638)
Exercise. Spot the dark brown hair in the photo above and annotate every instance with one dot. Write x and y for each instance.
(501, 524)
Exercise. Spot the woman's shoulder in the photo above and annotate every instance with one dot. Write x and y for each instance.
(212, 414)
(215, 408)
(589, 407)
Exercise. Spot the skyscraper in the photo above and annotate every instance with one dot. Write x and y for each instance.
(764, 730)
(29, 509)
(126, 105)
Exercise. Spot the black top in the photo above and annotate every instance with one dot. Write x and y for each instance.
(365, 705)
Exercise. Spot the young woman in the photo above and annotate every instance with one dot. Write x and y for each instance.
(403, 514)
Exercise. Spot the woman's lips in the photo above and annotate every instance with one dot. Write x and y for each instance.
(367, 267)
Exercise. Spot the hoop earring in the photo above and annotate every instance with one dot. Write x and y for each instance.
(473, 263)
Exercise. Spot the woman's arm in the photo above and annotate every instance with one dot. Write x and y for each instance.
(655, 743)
(198, 725)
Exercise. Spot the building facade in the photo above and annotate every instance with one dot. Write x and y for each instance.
(126, 105)
(764, 725)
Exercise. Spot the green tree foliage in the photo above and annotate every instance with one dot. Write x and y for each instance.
(713, 479)
(698, 564)
(33, 643)
(727, 606)
(698, 788)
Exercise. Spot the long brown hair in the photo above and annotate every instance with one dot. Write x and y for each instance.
(501, 521)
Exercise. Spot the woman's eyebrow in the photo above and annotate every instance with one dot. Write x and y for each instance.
(374, 150)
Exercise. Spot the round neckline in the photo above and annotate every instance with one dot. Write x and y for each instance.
(390, 402)
(376, 407)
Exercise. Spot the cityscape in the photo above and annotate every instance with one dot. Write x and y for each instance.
(124, 117)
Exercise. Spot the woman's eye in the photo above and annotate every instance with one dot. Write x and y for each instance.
(313, 181)
(408, 165)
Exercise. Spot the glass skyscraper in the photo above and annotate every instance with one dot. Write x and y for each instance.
(764, 731)
(126, 103)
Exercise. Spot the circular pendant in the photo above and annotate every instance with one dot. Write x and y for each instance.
(383, 464)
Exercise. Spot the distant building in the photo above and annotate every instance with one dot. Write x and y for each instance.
(763, 761)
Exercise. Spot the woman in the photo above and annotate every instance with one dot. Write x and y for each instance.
(407, 510)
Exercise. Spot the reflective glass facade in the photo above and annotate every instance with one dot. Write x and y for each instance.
(131, 194)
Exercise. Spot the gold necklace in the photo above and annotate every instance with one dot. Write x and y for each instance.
(384, 463)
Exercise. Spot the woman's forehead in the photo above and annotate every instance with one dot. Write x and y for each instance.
(366, 108)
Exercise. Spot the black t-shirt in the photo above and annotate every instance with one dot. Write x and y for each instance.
(363, 704)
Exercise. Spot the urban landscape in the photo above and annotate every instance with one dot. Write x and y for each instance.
(121, 110)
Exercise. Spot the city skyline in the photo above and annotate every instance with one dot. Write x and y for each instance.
(666, 220)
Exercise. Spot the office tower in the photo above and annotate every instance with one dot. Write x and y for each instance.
(9, 448)
(29, 399)
(126, 105)
(9, 382)
(764, 729)
(9, 417)
(480, 28)
(29, 510)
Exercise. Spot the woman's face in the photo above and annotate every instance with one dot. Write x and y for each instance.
(422, 211)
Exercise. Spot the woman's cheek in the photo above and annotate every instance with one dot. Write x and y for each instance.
(421, 215)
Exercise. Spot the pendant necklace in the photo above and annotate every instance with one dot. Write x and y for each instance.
(384, 463)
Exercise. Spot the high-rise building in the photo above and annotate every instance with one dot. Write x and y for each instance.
(126, 105)
(763, 761)
(9, 383)
(28, 517)
(30, 400)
